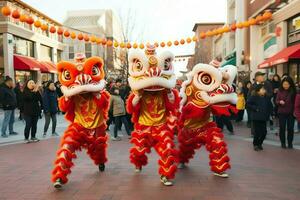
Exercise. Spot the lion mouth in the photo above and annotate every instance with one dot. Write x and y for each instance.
(223, 89)
(80, 88)
(154, 88)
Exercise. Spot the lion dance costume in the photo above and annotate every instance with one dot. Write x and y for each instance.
(86, 104)
(153, 104)
(208, 90)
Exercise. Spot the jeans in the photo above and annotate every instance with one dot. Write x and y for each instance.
(31, 124)
(118, 122)
(47, 122)
(260, 132)
(8, 120)
(286, 121)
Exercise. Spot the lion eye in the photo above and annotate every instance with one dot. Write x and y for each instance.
(137, 66)
(95, 70)
(167, 64)
(66, 75)
(205, 79)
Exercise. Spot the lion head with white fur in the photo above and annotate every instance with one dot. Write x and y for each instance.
(209, 85)
(150, 71)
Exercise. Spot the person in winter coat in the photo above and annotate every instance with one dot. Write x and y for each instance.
(285, 100)
(32, 109)
(9, 103)
(260, 110)
(118, 110)
(50, 107)
(19, 95)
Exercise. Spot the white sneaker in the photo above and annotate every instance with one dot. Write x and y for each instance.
(181, 166)
(34, 139)
(116, 138)
(222, 175)
(58, 184)
(138, 170)
(44, 135)
(165, 181)
(26, 141)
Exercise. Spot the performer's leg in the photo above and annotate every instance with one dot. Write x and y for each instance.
(141, 142)
(188, 143)
(97, 147)
(165, 147)
(219, 161)
(71, 141)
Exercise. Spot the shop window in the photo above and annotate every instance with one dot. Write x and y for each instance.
(1, 55)
(23, 76)
(88, 50)
(45, 53)
(293, 71)
(71, 52)
(59, 55)
(23, 47)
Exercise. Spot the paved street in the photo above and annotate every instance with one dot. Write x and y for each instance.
(270, 174)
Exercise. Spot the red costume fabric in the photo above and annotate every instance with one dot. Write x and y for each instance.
(160, 137)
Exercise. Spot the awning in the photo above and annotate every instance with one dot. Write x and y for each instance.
(282, 56)
(231, 61)
(48, 67)
(25, 63)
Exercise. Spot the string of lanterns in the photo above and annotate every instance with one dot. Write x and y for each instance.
(64, 32)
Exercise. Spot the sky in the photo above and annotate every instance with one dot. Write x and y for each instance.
(154, 20)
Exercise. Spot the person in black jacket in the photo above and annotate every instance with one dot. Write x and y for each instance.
(50, 107)
(32, 109)
(260, 109)
(9, 103)
(19, 95)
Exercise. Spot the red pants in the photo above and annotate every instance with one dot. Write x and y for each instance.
(159, 137)
(76, 137)
(212, 138)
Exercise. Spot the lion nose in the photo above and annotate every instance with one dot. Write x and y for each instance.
(83, 79)
(153, 72)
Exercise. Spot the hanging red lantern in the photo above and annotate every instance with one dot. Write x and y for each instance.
(98, 40)
(246, 24)
(52, 29)
(258, 19)
(176, 43)
(209, 33)
(182, 41)
(73, 35)
(239, 25)
(233, 27)
(169, 43)
(23, 18)
(30, 20)
(188, 40)
(135, 45)
(37, 24)
(162, 44)
(66, 33)
(93, 38)
(60, 31)
(80, 36)
(109, 43)
(128, 45)
(16, 14)
(142, 46)
(44, 27)
(122, 45)
(252, 21)
(86, 38)
(195, 39)
(5, 11)
(267, 15)
(226, 29)
(202, 35)
(104, 41)
(116, 44)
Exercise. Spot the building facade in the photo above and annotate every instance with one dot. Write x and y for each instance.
(276, 48)
(27, 52)
(102, 24)
(204, 48)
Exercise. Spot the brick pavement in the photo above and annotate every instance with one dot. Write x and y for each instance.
(268, 175)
